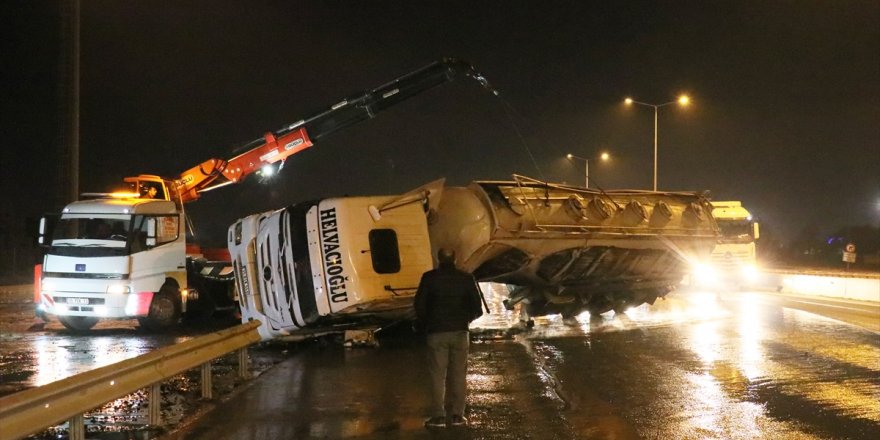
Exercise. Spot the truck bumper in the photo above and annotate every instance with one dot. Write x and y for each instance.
(97, 305)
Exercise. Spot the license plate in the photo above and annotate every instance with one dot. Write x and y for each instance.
(77, 300)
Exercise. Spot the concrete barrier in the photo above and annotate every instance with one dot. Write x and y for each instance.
(861, 287)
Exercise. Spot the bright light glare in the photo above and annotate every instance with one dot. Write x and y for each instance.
(750, 272)
(117, 288)
(569, 155)
(704, 273)
(628, 101)
(605, 156)
(131, 305)
(684, 100)
(268, 170)
(124, 195)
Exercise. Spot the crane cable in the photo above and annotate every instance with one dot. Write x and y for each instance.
(509, 112)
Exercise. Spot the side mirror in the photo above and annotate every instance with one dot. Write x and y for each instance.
(45, 229)
(41, 238)
(151, 232)
(755, 230)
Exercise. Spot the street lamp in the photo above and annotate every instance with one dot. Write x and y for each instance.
(604, 157)
(682, 100)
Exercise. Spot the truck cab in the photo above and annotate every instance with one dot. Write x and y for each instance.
(733, 260)
(122, 255)
(328, 264)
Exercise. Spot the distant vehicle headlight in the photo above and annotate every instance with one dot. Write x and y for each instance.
(750, 272)
(705, 273)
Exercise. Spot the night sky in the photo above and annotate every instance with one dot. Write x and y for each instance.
(785, 112)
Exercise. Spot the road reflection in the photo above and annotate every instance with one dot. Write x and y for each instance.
(730, 365)
(35, 358)
(61, 356)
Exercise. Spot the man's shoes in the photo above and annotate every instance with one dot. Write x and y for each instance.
(435, 422)
(457, 420)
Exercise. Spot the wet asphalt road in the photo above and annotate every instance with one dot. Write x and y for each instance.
(33, 353)
(694, 366)
(697, 365)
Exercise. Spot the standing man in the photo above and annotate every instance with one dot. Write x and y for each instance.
(446, 302)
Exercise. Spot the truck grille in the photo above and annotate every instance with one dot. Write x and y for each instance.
(90, 276)
(731, 259)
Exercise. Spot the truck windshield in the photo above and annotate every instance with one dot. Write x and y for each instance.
(735, 231)
(91, 236)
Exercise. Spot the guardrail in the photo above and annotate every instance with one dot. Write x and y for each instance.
(33, 410)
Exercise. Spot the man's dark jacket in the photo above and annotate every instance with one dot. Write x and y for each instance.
(447, 300)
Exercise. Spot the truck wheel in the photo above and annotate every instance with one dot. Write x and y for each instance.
(164, 311)
(78, 323)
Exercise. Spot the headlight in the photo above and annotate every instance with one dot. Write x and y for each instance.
(750, 272)
(704, 273)
(118, 288)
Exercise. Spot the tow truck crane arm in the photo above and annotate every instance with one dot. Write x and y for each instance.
(298, 136)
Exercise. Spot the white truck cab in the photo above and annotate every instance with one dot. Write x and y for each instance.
(329, 263)
(115, 258)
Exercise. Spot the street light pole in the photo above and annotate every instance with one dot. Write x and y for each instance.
(603, 156)
(682, 100)
(656, 108)
(586, 173)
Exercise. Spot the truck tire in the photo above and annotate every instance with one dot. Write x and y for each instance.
(164, 311)
(78, 323)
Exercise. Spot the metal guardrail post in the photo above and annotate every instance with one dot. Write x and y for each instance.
(207, 386)
(243, 371)
(76, 428)
(156, 404)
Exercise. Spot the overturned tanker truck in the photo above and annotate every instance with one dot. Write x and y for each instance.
(346, 262)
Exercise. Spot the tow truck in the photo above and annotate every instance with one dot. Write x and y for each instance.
(128, 254)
